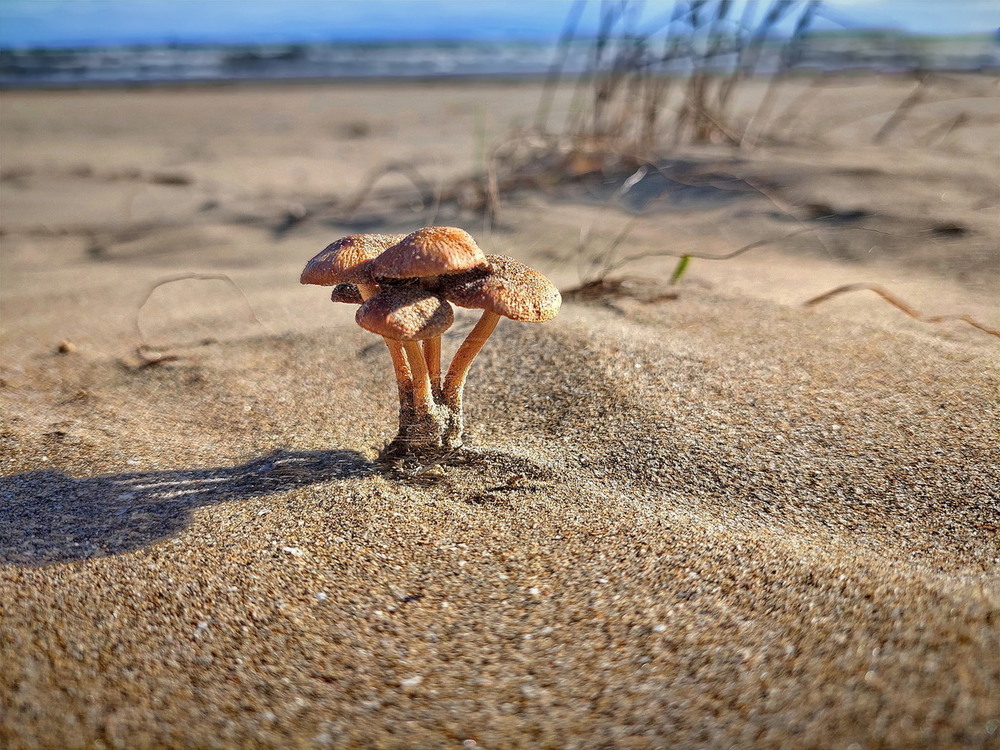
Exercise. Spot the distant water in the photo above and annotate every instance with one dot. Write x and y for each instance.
(34, 68)
(206, 63)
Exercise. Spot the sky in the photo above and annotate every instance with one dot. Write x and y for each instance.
(63, 23)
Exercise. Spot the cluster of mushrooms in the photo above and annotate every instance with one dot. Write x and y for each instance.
(405, 286)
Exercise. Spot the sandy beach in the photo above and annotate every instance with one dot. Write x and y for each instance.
(699, 515)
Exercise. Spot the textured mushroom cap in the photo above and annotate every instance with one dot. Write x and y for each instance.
(346, 260)
(347, 293)
(405, 313)
(508, 288)
(431, 251)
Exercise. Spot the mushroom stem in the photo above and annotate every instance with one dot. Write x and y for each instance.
(432, 356)
(401, 368)
(423, 401)
(404, 375)
(454, 381)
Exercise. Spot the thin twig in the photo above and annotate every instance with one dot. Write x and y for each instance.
(941, 131)
(606, 265)
(899, 114)
(144, 346)
(900, 305)
(794, 108)
(405, 169)
(625, 260)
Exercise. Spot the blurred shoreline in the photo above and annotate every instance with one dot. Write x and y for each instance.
(370, 62)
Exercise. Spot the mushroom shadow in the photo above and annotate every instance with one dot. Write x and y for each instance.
(50, 517)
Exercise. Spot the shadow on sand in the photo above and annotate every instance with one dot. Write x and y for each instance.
(49, 517)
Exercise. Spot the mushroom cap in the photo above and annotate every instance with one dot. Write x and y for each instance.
(346, 260)
(431, 251)
(508, 288)
(405, 313)
(347, 293)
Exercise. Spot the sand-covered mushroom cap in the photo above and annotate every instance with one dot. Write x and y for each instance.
(508, 288)
(431, 251)
(405, 313)
(346, 260)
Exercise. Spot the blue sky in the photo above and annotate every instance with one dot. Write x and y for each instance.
(25, 23)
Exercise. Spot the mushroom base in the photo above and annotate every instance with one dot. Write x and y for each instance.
(429, 434)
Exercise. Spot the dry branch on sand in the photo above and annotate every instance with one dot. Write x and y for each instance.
(405, 287)
(899, 305)
(149, 355)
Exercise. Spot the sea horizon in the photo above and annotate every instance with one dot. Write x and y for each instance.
(421, 59)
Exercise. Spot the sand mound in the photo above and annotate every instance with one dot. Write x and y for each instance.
(659, 539)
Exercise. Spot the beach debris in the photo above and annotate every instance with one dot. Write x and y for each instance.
(411, 682)
(644, 290)
(150, 355)
(899, 304)
(429, 197)
(147, 357)
(405, 287)
(176, 179)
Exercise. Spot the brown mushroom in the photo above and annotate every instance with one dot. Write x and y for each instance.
(346, 262)
(405, 313)
(409, 314)
(428, 254)
(508, 289)
(404, 292)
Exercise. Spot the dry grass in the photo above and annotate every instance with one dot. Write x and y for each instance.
(899, 304)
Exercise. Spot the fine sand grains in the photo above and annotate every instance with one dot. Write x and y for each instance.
(663, 541)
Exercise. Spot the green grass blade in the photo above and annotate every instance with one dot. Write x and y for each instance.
(679, 269)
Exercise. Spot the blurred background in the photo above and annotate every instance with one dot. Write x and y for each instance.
(619, 146)
(80, 42)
